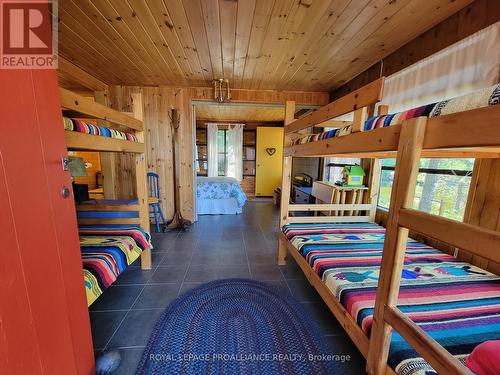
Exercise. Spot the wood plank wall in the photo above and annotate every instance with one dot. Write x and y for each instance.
(158, 103)
(157, 106)
(474, 17)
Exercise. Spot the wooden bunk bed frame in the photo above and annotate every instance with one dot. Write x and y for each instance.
(474, 133)
(75, 105)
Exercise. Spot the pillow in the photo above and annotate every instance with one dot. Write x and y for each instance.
(485, 358)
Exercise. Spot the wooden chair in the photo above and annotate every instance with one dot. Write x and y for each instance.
(154, 200)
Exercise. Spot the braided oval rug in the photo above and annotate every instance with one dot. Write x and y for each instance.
(236, 326)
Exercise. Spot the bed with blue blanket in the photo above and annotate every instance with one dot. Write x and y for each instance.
(456, 303)
(219, 196)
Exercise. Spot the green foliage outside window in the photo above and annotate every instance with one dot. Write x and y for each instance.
(441, 194)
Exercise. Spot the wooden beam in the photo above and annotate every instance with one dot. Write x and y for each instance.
(373, 186)
(383, 109)
(108, 159)
(263, 96)
(141, 179)
(88, 108)
(73, 73)
(328, 207)
(437, 356)
(474, 128)
(286, 181)
(479, 241)
(287, 167)
(375, 172)
(328, 219)
(89, 142)
(403, 191)
(360, 116)
(369, 94)
(368, 143)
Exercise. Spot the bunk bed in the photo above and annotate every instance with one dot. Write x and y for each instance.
(376, 280)
(113, 233)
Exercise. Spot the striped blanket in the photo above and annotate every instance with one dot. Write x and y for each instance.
(84, 127)
(456, 303)
(481, 98)
(106, 252)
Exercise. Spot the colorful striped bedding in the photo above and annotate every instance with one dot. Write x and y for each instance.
(81, 126)
(457, 303)
(106, 252)
(481, 98)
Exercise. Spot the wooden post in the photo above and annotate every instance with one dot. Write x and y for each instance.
(141, 181)
(403, 191)
(107, 159)
(374, 186)
(285, 181)
(375, 174)
(360, 116)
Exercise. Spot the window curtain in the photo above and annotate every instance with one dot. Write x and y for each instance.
(235, 151)
(212, 149)
(468, 65)
(471, 64)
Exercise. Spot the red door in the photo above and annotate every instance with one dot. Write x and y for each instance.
(44, 321)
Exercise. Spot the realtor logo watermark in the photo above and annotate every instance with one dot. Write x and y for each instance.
(28, 34)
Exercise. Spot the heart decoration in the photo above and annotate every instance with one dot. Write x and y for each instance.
(270, 151)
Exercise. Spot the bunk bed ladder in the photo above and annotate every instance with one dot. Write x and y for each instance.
(386, 315)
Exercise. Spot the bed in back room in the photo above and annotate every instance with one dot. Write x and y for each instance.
(219, 196)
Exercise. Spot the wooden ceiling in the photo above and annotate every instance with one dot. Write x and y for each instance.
(309, 45)
(240, 113)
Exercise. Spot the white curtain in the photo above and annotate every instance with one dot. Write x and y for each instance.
(468, 65)
(235, 151)
(212, 149)
(472, 63)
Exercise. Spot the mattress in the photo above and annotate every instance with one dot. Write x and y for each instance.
(106, 252)
(81, 126)
(219, 195)
(481, 98)
(456, 303)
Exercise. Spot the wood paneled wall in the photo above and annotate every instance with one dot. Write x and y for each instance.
(158, 103)
(474, 17)
(264, 96)
(94, 168)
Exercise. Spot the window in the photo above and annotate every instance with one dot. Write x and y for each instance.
(221, 152)
(334, 167)
(442, 186)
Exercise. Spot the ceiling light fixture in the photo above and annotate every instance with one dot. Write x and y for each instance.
(222, 92)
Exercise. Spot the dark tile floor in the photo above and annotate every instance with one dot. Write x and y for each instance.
(215, 247)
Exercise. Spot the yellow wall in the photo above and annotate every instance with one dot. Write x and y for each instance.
(94, 166)
(268, 171)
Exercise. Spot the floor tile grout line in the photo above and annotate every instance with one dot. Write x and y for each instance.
(187, 268)
(246, 254)
(132, 305)
(286, 281)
